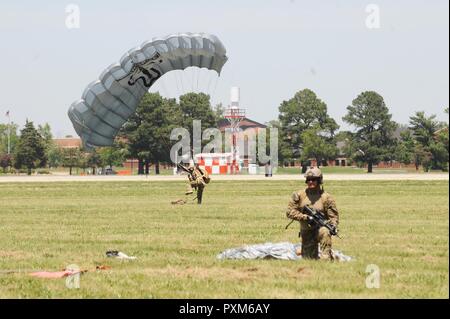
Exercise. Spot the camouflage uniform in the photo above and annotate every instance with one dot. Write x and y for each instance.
(197, 180)
(311, 235)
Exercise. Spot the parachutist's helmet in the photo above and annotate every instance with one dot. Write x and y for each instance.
(314, 173)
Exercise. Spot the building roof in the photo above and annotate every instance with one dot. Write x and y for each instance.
(68, 142)
(245, 123)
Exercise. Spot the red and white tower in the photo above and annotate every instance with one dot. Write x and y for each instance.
(234, 114)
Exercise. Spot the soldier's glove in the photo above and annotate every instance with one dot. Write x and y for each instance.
(305, 218)
(310, 220)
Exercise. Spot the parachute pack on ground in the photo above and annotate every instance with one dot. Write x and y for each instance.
(107, 103)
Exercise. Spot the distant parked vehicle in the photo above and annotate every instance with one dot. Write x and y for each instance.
(110, 171)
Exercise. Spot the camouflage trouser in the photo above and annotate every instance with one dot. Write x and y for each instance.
(197, 184)
(312, 237)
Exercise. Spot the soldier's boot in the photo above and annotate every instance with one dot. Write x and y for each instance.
(324, 238)
(310, 247)
(199, 195)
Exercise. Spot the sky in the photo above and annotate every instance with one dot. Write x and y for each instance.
(338, 49)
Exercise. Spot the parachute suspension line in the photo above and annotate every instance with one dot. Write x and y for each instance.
(176, 82)
(181, 80)
(215, 88)
(209, 84)
(182, 83)
(198, 76)
(163, 86)
(193, 78)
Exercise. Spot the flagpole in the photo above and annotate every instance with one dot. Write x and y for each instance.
(9, 134)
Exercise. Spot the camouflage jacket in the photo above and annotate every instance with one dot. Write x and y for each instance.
(200, 176)
(321, 201)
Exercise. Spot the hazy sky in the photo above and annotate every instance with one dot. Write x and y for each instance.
(275, 48)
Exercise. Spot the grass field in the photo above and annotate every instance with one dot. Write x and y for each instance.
(402, 227)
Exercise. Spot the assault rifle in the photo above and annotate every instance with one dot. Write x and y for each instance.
(317, 218)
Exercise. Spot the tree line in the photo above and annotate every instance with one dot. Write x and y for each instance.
(35, 148)
(306, 131)
(145, 136)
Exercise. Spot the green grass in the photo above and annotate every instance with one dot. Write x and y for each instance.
(354, 170)
(402, 227)
(324, 169)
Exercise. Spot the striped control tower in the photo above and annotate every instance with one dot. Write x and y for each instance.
(234, 114)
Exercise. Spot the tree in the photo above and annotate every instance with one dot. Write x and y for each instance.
(94, 160)
(30, 149)
(112, 155)
(405, 150)
(422, 157)
(374, 128)
(197, 106)
(432, 136)
(302, 112)
(423, 128)
(71, 158)
(52, 151)
(148, 130)
(318, 147)
(219, 112)
(5, 161)
(46, 133)
(54, 156)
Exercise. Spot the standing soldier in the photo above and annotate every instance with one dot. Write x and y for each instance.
(198, 178)
(314, 196)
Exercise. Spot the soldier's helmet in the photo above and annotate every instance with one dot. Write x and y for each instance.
(314, 173)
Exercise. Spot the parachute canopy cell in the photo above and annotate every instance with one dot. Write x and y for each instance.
(108, 102)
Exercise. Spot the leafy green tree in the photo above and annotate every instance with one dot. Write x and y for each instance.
(55, 156)
(148, 130)
(405, 150)
(30, 149)
(5, 161)
(439, 156)
(319, 147)
(423, 128)
(52, 151)
(71, 158)
(94, 160)
(219, 112)
(302, 112)
(433, 139)
(46, 133)
(422, 156)
(373, 138)
(112, 155)
(197, 106)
